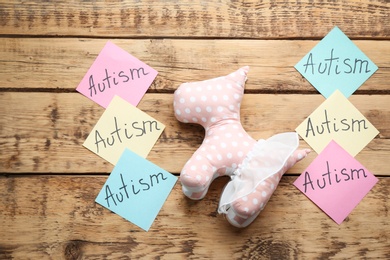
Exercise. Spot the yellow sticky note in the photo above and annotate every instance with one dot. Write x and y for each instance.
(122, 126)
(337, 119)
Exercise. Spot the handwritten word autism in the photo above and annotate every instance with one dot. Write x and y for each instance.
(334, 65)
(132, 188)
(113, 79)
(335, 125)
(334, 177)
(133, 130)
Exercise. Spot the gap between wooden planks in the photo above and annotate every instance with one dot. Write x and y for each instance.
(44, 132)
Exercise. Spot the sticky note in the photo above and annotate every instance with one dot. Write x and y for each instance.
(336, 182)
(336, 63)
(337, 119)
(121, 126)
(136, 189)
(116, 72)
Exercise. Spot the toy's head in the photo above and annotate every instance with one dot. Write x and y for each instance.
(210, 101)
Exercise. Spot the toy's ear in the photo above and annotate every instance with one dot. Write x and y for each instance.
(239, 76)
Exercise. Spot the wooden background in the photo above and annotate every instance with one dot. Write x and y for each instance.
(49, 181)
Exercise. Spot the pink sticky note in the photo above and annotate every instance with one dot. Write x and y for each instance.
(116, 72)
(336, 182)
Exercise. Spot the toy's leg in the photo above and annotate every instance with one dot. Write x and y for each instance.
(196, 176)
(245, 209)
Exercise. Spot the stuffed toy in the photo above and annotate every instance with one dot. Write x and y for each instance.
(255, 167)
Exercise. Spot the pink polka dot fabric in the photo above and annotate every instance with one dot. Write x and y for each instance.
(214, 104)
(227, 149)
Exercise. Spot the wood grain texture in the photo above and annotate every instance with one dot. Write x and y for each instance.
(60, 64)
(53, 217)
(62, 121)
(216, 19)
(49, 181)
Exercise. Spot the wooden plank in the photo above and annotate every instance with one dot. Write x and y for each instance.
(60, 64)
(44, 132)
(54, 217)
(238, 19)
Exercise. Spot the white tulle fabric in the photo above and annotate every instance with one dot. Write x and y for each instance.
(267, 158)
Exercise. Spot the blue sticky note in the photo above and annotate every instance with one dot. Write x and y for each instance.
(336, 63)
(136, 189)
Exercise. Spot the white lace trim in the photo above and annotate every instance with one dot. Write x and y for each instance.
(265, 159)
